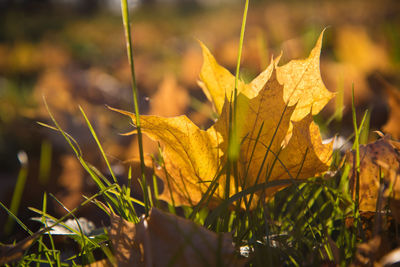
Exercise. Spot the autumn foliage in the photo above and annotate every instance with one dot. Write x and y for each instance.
(277, 136)
(237, 169)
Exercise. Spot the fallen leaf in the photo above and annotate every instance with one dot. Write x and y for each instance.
(164, 239)
(305, 155)
(392, 126)
(368, 253)
(11, 253)
(343, 76)
(122, 234)
(379, 250)
(193, 157)
(169, 100)
(301, 79)
(216, 81)
(378, 159)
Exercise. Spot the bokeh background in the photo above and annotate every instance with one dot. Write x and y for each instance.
(73, 53)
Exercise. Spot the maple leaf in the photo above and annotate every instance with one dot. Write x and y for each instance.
(277, 136)
(191, 155)
(162, 104)
(301, 79)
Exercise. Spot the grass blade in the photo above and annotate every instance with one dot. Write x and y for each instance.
(127, 28)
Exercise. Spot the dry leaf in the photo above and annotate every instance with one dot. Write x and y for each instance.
(368, 253)
(376, 159)
(301, 79)
(267, 109)
(164, 239)
(11, 253)
(282, 98)
(303, 85)
(358, 57)
(216, 81)
(191, 156)
(392, 126)
(122, 234)
(169, 100)
(377, 251)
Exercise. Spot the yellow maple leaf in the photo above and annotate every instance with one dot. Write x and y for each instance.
(277, 136)
(191, 155)
(301, 80)
(266, 109)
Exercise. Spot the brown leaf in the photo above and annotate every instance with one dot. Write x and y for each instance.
(392, 126)
(369, 252)
(11, 253)
(380, 157)
(163, 239)
(122, 235)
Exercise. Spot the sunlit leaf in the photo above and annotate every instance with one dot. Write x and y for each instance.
(275, 133)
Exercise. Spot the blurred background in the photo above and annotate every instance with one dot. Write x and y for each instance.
(73, 53)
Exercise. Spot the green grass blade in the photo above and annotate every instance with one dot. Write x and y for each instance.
(11, 214)
(251, 190)
(76, 146)
(84, 239)
(356, 171)
(98, 144)
(127, 28)
(45, 162)
(18, 191)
